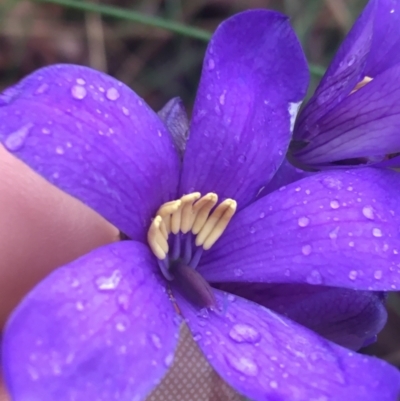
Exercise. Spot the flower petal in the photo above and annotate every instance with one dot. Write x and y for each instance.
(346, 317)
(100, 325)
(344, 72)
(366, 123)
(337, 228)
(285, 175)
(249, 92)
(96, 139)
(385, 45)
(266, 356)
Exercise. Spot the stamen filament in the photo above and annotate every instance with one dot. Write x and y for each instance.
(163, 264)
(196, 258)
(188, 248)
(176, 247)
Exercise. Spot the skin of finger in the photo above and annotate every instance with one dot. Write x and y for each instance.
(3, 393)
(41, 228)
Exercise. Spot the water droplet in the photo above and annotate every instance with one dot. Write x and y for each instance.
(112, 94)
(120, 326)
(303, 221)
(78, 92)
(378, 274)
(273, 384)
(351, 243)
(352, 275)
(155, 339)
(197, 337)
(231, 297)
(211, 64)
(59, 150)
(16, 139)
(333, 234)
(80, 81)
(252, 230)
(242, 158)
(330, 182)
(351, 60)
(244, 333)
(368, 212)
(376, 232)
(75, 283)
(42, 89)
(169, 359)
(79, 306)
(222, 98)
(243, 365)
(298, 189)
(314, 277)
(109, 283)
(262, 215)
(123, 302)
(334, 204)
(306, 249)
(45, 131)
(238, 272)
(125, 111)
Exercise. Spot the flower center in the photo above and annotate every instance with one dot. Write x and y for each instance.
(181, 231)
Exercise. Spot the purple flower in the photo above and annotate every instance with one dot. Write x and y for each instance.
(105, 326)
(354, 116)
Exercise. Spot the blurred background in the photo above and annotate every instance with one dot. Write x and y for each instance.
(159, 63)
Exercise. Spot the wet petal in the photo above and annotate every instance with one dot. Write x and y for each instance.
(385, 45)
(267, 356)
(285, 175)
(355, 128)
(345, 71)
(347, 317)
(339, 228)
(102, 325)
(96, 139)
(248, 95)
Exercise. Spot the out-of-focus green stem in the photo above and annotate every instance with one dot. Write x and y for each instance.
(157, 22)
(131, 15)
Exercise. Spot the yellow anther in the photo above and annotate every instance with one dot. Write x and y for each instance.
(166, 210)
(216, 224)
(202, 209)
(156, 240)
(362, 83)
(220, 227)
(163, 229)
(188, 215)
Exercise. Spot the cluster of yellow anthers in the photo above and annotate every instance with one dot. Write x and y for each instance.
(191, 212)
(362, 83)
